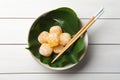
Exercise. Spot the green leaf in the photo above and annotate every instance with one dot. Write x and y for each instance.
(68, 20)
(77, 51)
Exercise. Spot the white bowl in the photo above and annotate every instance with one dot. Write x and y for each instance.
(68, 66)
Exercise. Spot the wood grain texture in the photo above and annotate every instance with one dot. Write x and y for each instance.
(99, 58)
(60, 77)
(84, 8)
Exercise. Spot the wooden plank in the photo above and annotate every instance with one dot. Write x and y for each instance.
(16, 31)
(61, 77)
(31, 8)
(99, 58)
(104, 32)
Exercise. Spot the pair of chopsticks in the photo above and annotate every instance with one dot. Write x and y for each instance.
(79, 33)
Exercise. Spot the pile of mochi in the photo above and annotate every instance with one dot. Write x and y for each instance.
(53, 41)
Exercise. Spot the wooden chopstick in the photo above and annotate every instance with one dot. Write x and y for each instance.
(78, 34)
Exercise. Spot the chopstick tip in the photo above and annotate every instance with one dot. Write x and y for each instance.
(52, 61)
(101, 11)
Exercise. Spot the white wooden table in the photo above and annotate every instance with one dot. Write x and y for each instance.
(102, 61)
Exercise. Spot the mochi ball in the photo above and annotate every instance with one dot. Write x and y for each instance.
(58, 49)
(56, 29)
(43, 37)
(53, 39)
(64, 38)
(45, 50)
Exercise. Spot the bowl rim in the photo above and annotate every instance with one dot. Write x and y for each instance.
(68, 66)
